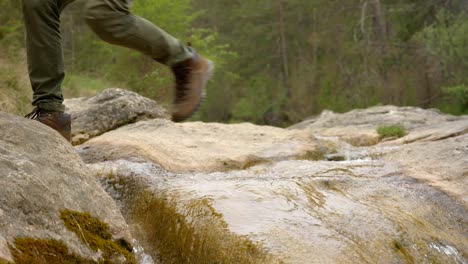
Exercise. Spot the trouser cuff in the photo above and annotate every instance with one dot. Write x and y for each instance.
(52, 107)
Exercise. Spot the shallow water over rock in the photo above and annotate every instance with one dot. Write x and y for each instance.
(292, 212)
(316, 193)
(202, 147)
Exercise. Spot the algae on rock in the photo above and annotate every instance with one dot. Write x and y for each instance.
(96, 235)
(193, 232)
(44, 251)
(93, 232)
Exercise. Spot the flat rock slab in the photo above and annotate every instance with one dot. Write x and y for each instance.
(435, 132)
(442, 163)
(93, 116)
(196, 147)
(290, 212)
(41, 176)
(358, 127)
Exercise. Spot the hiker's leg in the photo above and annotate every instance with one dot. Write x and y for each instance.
(44, 50)
(112, 21)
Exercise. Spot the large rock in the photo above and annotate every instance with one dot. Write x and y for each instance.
(358, 127)
(442, 163)
(215, 193)
(289, 212)
(93, 116)
(43, 183)
(201, 146)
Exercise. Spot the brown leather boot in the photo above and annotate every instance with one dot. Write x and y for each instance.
(59, 121)
(191, 77)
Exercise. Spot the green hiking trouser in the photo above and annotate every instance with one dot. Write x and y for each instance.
(111, 20)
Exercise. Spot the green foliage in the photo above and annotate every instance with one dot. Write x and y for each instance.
(82, 86)
(448, 38)
(391, 131)
(11, 26)
(255, 102)
(456, 100)
(172, 16)
(15, 90)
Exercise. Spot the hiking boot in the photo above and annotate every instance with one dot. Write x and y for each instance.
(191, 77)
(59, 121)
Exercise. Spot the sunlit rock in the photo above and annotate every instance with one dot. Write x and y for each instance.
(439, 162)
(93, 116)
(202, 146)
(359, 127)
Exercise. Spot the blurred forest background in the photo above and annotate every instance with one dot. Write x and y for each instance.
(278, 61)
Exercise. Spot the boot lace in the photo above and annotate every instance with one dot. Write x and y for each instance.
(34, 114)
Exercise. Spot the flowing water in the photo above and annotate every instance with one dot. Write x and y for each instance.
(140, 253)
(354, 210)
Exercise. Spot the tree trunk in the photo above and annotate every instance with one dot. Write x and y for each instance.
(380, 22)
(284, 49)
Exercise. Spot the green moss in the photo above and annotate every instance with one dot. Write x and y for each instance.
(402, 250)
(4, 261)
(335, 157)
(191, 231)
(253, 163)
(96, 235)
(342, 170)
(314, 155)
(315, 197)
(391, 131)
(243, 165)
(41, 251)
(332, 186)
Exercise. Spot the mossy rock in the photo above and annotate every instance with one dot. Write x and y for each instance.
(195, 234)
(93, 232)
(97, 236)
(4, 261)
(31, 250)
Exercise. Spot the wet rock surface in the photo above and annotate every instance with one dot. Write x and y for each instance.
(202, 146)
(113, 108)
(399, 201)
(297, 212)
(41, 176)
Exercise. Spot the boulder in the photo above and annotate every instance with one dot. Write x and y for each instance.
(93, 116)
(197, 146)
(50, 203)
(289, 212)
(358, 127)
